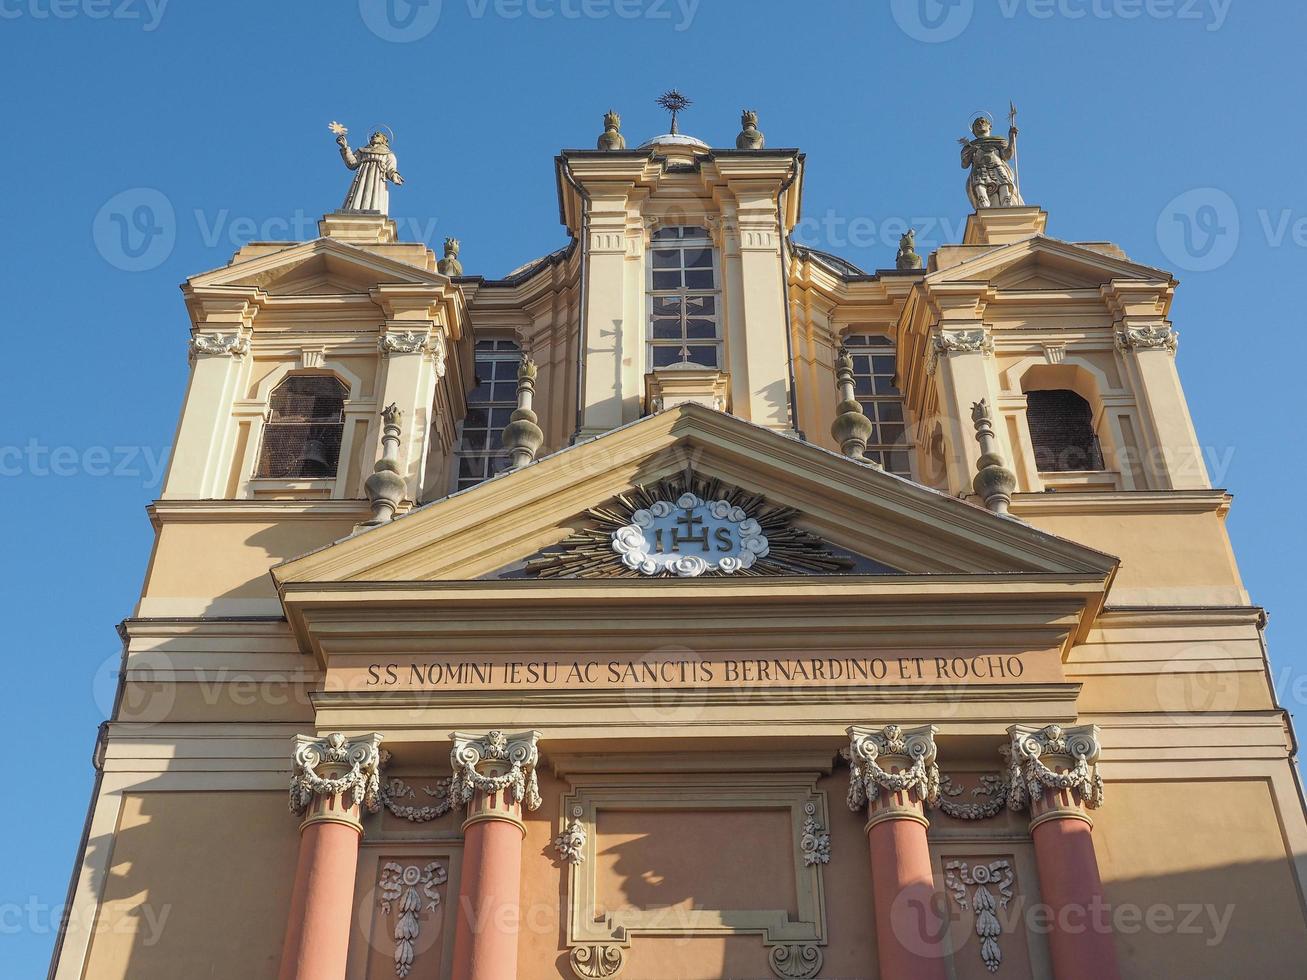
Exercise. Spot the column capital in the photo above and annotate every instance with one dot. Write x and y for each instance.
(334, 775)
(892, 771)
(1054, 770)
(495, 774)
(215, 343)
(1149, 336)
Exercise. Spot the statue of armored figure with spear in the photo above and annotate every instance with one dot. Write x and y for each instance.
(992, 183)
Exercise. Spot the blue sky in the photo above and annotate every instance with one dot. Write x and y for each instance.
(1167, 126)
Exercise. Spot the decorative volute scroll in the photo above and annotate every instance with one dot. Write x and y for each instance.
(597, 961)
(333, 777)
(495, 774)
(795, 960)
(522, 436)
(994, 481)
(1156, 336)
(892, 771)
(398, 890)
(688, 527)
(1054, 771)
(851, 428)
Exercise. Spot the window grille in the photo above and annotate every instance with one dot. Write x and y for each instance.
(303, 429)
(1062, 431)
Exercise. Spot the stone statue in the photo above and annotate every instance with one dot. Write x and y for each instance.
(374, 165)
(992, 182)
(449, 265)
(750, 138)
(908, 257)
(612, 139)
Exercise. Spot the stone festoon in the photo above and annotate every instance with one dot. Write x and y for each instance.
(572, 603)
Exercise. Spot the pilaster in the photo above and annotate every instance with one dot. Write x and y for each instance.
(222, 325)
(1147, 344)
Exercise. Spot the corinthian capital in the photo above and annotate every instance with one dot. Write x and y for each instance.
(219, 344)
(496, 763)
(333, 776)
(1154, 336)
(896, 762)
(1054, 770)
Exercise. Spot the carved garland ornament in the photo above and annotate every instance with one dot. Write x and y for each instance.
(990, 792)
(570, 844)
(399, 880)
(1028, 777)
(359, 785)
(814, 842)
(959, 876)
(973, 341)
(519, 783)
(867, 778)
(397, 789)
(688, 527)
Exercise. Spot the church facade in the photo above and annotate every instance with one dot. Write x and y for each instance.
(689, 604)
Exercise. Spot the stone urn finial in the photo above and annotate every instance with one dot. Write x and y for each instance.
(994, 482)
(908, 257)
(449, 265)
(612, 138)
(749, 138)
(523, 436)
(386, 487)
(851, 428)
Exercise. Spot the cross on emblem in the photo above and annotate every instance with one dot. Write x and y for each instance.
(691, 523)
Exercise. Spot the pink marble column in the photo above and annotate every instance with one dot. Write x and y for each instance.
(495, 774)
(894, 774)
(333, 778)
(1058, 778)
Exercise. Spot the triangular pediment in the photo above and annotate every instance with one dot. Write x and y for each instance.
(321, 266)
(1040, 262)
(850, 507)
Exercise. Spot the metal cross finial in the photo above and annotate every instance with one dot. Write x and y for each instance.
(675, 103)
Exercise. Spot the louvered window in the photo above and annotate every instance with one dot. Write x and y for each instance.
(1062, 430)
(303, 429)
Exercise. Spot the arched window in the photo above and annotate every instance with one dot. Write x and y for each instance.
(489, 405)
(684, 299)
(303, 429)
(1062, 431)
(873, 376)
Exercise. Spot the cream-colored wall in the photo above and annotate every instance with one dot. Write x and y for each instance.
(198, 885)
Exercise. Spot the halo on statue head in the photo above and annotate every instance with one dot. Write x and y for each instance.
(384, 130)
(978, 115)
